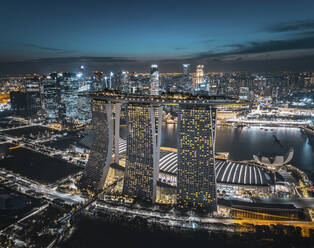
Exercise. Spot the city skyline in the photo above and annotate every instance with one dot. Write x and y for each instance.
(109, 35)
(160, 123)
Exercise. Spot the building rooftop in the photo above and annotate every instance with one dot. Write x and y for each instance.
(226, 171)
(169, 98)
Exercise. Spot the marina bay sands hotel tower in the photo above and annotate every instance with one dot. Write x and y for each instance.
(196, 187)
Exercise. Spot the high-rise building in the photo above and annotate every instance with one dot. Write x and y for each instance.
(28, 101)
(199, 77)
(186, 70)
(125, 82)
(65, 99)
(154, 80)
(185, 85)
(244, 93)
(196, 172)
(141, 172)
(196, 146)
(50, 93)
(98, 81)
(121, 81)
(101, 152)
(27, 104)
(110, 80)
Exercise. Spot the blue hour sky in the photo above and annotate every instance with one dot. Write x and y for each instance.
(225, 35)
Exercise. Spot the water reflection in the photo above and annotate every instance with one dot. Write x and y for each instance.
(242, 143)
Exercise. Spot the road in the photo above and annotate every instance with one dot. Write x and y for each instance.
(13, 128)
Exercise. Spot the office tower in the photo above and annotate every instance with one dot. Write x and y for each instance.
(83, 106)
(133, 83)
(121, 81)
(26, 104)
(125, 86)
(65, 99)
(185, 85)
(101, 152)
(186, 70)
(196, 173)
(142, 150)
(110, 80)
(98, 81)
(50, 98)
(154, 80)
(244, 93)
(199, 77)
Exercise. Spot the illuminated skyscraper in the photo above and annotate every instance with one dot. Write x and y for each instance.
(186, 84)
(110, 80)
(186, 70)
(121, 81)
(101, 152)
(199, 78)
(196, 172)
(143, 144)
(125, 84)
(154, 80)
(83, 70)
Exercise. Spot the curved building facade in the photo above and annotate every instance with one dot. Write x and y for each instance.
(101, 150)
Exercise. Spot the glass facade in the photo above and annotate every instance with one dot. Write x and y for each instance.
(196, 172)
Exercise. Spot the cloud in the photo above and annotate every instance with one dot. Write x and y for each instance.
(276, 45)
(295, 53)
(260, 47)
(43, 48)
(83, 59)
(291, 27)
(31, 46)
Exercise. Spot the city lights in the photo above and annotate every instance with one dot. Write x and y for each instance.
(156, 124)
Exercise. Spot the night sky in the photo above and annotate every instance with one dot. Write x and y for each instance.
(224, 35)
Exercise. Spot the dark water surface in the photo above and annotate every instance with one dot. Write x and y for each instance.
(243, 143)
